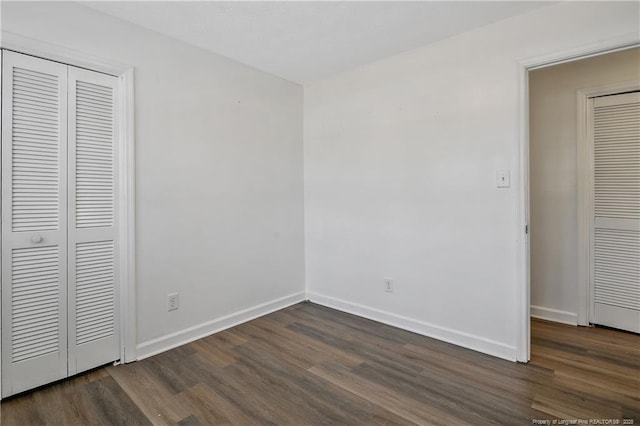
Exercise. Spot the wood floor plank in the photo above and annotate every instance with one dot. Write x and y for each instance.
(329, 404)
(311, 365)
(112, 406)
(319, 349)
(209, 408)
(408, 408)
(140, 383)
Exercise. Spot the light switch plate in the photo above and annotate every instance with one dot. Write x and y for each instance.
(503, 179)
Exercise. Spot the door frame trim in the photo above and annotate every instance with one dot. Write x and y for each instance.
(523, 266)
(585, 191)
(126, 159)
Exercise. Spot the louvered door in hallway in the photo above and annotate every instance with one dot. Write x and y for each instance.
(615, 251)
(59, 221)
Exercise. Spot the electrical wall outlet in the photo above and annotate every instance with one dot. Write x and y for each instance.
(388, 284)
(172, 301)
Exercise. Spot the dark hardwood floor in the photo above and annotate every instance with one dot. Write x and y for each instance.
(312, 365)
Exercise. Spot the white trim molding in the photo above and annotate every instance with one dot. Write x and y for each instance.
(127, 228)
(53, 52)
(126, 123)
(459, 338)
(554, 315)
(615, 44)
(584, 159)
(182, 337)
(523, 277)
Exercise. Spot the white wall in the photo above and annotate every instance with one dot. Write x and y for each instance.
(219, 180)
(400, 159)
(553, 171)
(400, 176)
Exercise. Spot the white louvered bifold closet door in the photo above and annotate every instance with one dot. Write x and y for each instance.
(616, 227)
(94, 337)
(34, 217)
(59, 221)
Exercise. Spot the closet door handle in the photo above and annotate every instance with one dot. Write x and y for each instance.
(36, 239)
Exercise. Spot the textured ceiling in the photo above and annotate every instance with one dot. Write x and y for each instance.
(305, 41)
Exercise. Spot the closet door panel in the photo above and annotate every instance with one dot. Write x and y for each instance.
(34, 228)
(93, 287)
(615, 254)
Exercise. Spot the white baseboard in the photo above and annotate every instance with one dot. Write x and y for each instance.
(555, 315)
(480, 344)
(182, 337)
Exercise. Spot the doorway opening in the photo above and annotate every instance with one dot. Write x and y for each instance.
(584, 192)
